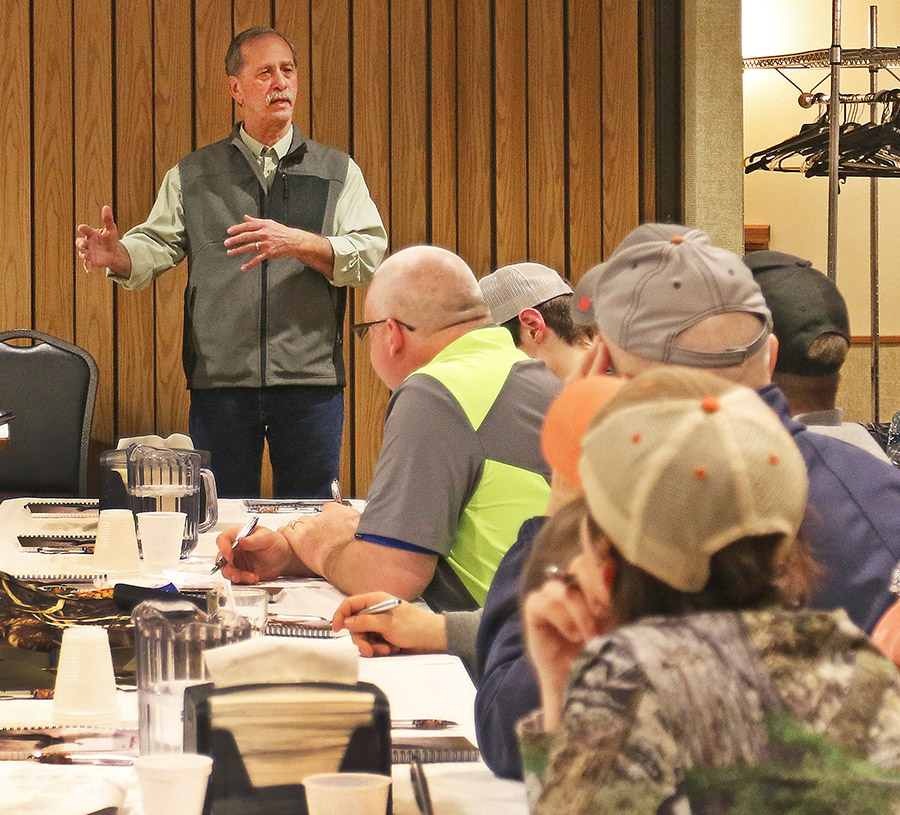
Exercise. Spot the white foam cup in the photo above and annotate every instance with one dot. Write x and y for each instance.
(173, 783)
(162, 534)
(342, 793)
(85, 691)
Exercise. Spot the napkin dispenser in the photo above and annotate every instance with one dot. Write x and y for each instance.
(266, 738)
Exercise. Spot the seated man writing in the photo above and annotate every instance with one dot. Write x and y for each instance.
(460, 468)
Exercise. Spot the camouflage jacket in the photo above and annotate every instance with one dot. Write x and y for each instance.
(770, 711)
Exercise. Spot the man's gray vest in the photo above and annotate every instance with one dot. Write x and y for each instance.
(280, 323)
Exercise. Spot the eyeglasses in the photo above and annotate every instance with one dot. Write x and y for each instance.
(361, 329)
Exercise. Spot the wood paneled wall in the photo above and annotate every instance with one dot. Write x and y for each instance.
(506, 130)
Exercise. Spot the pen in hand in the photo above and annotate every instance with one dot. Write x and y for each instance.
(336, 493)
(245, 531)
(378, 608)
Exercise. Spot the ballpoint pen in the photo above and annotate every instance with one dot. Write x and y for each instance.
(336, 492)
(420, 787)
(422, 724)
(246, 530)
(379, 608)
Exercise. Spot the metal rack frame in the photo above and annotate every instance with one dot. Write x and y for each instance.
(850, 58)
(874, 59)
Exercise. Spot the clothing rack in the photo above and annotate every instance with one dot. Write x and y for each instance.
(874, 59)
(807, 100)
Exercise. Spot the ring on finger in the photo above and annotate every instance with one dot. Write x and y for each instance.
(257, 246)
(293, 523)
(564, 576)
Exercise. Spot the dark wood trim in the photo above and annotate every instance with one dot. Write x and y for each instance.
(884, 339)
(756, 237)
(669, 88)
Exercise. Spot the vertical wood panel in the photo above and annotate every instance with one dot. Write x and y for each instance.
(331, 73)
(292, 19)
(646, 72)
(134, 197)
(93, 69)
(586, 200)
(512, 131)
(546, 136)
(54, 286)
(443, 124)
(460, 143)
(249, 14)
(372, 151)
(15, 163)
(212, 101)
(621, 154)
(474, 111)
(172, 141)
(409, 169)
(330, 76)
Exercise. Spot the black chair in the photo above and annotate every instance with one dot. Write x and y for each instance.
(50, 385)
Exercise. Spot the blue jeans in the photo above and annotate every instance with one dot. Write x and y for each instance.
(302, 424)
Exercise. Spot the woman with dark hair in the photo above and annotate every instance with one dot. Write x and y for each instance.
(678, 671)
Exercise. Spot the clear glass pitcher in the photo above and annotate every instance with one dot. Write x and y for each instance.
(163, 479)
(170, 638)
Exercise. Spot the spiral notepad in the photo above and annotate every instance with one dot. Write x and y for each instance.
(83, 577)
(432, 749)
(299, 630)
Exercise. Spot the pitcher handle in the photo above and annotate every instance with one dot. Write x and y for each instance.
(212, 501)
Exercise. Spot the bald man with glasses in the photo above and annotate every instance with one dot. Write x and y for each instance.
(460, 469)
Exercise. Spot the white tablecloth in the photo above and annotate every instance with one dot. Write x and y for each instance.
(427, 686)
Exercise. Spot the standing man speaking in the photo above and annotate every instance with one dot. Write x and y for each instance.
(275, 226)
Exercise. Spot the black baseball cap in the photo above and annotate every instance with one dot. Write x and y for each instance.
(805, 304)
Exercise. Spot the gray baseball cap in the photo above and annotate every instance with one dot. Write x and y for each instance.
(664, 279)
(582, 305)
(513, 288)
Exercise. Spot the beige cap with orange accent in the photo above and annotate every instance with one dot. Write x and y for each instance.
(680, 463)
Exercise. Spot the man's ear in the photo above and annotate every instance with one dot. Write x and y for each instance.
(531, 322)
(396, 337)
(773, 353)
(234, 86)
(604, 363)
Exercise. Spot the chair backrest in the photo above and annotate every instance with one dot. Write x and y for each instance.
(51, 387)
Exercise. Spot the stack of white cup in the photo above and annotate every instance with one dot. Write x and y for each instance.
(116, 550)
(85, 691)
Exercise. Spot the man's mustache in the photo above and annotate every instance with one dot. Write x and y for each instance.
(278, 96)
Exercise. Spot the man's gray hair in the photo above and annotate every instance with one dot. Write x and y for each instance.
(234, 58)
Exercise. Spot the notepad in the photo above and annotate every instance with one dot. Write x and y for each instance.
(300, 629)
(432, 749)
(301, 506)
(54, 509)
(22, 743)
(58, 544)
(65, 577)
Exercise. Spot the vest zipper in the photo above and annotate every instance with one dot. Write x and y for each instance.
(263, 296)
